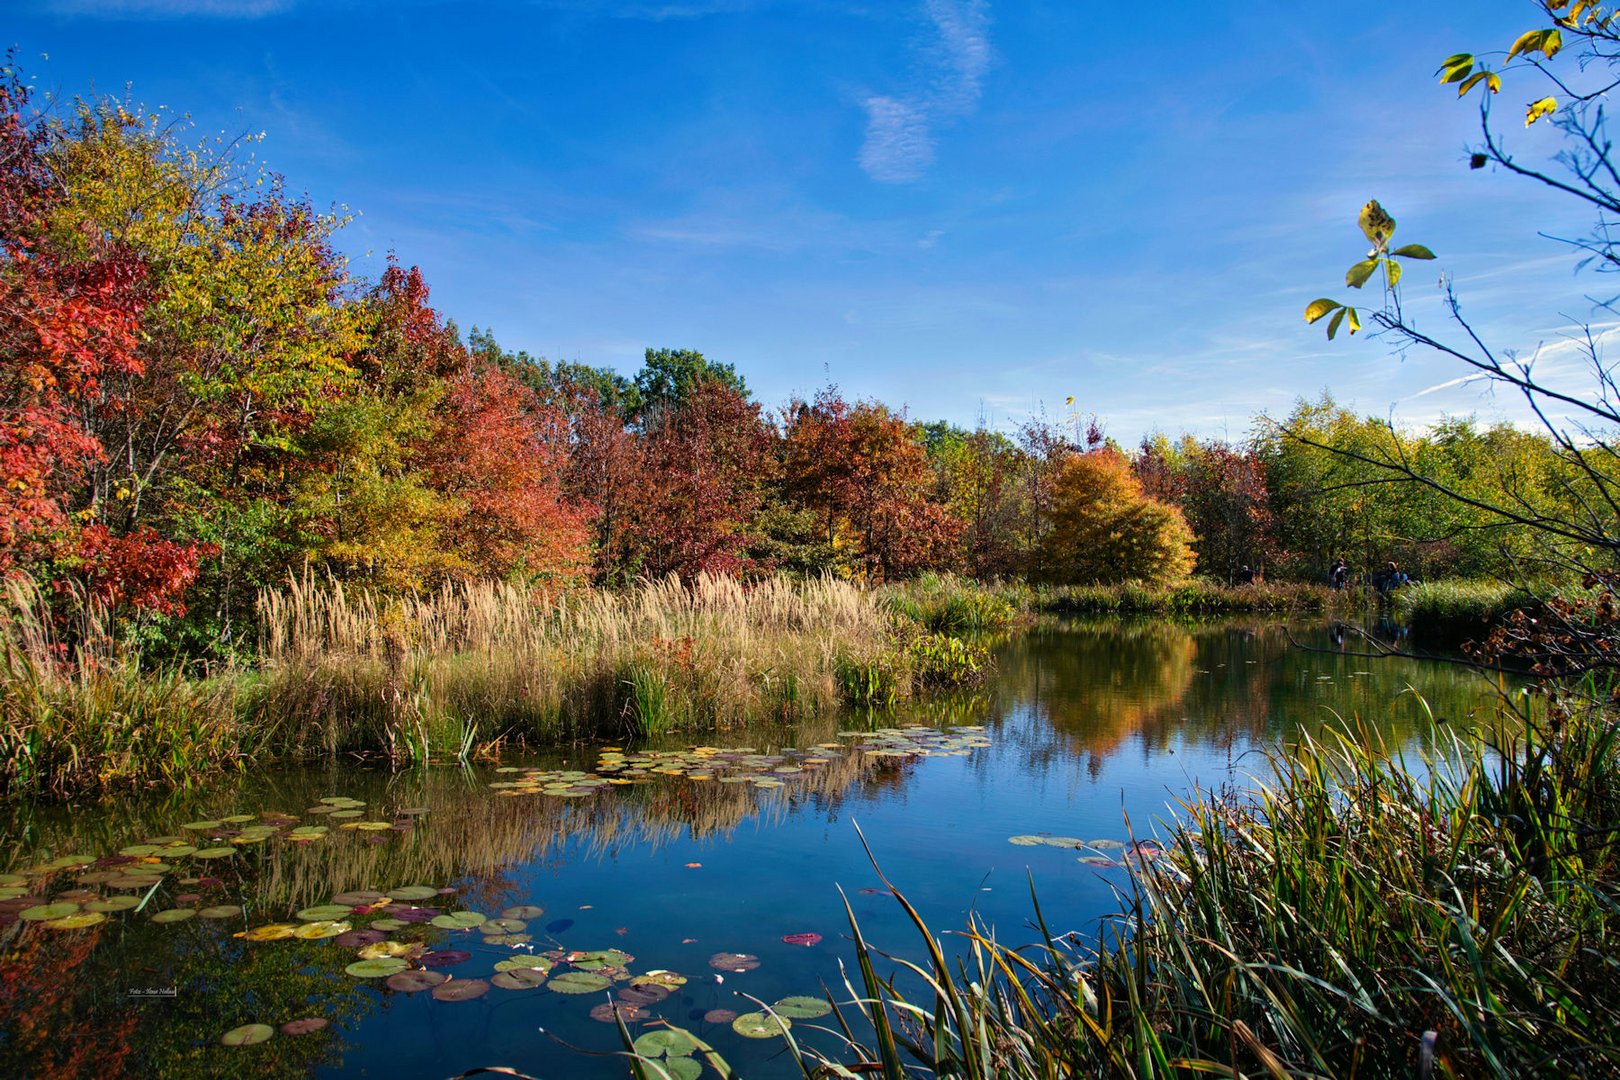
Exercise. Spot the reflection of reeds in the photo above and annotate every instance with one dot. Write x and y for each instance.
(350, 671)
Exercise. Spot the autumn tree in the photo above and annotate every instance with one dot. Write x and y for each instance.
(1104, 530)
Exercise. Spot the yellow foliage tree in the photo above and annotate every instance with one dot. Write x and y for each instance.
(1105, 530)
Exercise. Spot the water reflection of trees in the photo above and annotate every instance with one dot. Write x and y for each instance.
(1094, 689)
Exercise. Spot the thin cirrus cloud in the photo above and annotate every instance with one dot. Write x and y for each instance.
(899, 143)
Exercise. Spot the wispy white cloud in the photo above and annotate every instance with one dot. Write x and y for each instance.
(173, 9)
(899, 144)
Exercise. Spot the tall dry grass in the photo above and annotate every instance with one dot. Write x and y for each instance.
(474, 663)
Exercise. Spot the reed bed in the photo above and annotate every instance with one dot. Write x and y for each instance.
(1356, 915)
(1199, 597)
(477, 663)
(1451, 612)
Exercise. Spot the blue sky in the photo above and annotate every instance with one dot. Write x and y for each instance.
(966, 207)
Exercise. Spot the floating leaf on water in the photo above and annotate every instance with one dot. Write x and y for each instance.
(537, 963)
(413, 892)
(270, 932)
(1026, 841)
(502, 926)
(761, 1025)
(559, 926)
(807, 938)
(523, 911)
(1098, 860)
(140, 849)
(414, 915)
(247, 1035)
(306, 1026)
(380, 950)
(173, 915)
(11, 892)
(13, 879)
(45, 912)
(1062, 841)
(215, 853)
(315, 931)
(458, 920)
(446, 958)
(800, 1007)
(729, 961)
(669, 1042)
(237, 819)
(1105, 845)
(177, 851)
(201, 826)
(389, 924)
(220, 911)
(518, 979)
(113, 903)
(324, 912)
(680, 1068)
(380, 968)
(604, 1013)
(77, 921)
(659, 978)
(460, 990)
(373, 826)
(353, 939)
(346, 813)
(413, 982)
(579, 982)
(719, 1016)
(358, 898)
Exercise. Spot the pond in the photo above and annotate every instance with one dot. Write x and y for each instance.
(686, 881)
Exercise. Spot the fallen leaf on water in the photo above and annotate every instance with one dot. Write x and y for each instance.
(693, 865)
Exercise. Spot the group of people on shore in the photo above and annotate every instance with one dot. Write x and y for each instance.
(1338, 576)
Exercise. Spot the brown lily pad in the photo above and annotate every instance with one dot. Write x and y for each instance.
(304, 1026)
(460, 990)
(413, 982)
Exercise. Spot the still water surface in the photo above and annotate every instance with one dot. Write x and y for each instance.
(1084, 726)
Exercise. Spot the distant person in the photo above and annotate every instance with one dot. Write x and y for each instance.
(1245, 575)
(1393, 579)
(1339, 574)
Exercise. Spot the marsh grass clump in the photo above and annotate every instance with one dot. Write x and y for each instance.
(946, 603)
(1357, 914)
(1451, 612)
(1199, 596)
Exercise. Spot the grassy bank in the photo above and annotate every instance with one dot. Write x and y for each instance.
(1200, 597)
(1452, 612)
(465, 670)
(1358, 915)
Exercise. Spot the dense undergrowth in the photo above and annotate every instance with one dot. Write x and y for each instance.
(470, 668)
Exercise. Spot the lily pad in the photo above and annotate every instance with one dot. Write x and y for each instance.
(502, 926)
(1062, 841)
(668, 1042)
(360, 898)
(414, 982)
(389, 925)
(13, 879)
(579, 982)
(77, 921)
(271, 932)
(659, 978)
(460, 990)
(681, 1068)
(174, 915)
(645, 994)
(326, 928)
(377, 950)
(413, 892)
(801, 1007)
(761, 1025)
(324, 912)
(730, 961)
(114, 903)
(719, 1016)
(518, 963)
(220, 911)
(238, 819)
(46, 912)
(446, 958)
(353, 939)
(247, 1035)
(376, 969)
(521, 911)
(304, 1026)
(605, 1012)
(458, 920)
(508, 939)
(1026, 841)
(201, 826)
(215, 853)
(518, 979)
(806, 939)
(414, 914)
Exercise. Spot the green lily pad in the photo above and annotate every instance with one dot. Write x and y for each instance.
(346, 813)
(219, 911)
(215, 853)
(414, 892)
(247, 1035)
(389, 925)
(173, 915)
(681, 1068)
(113, 903)
(324, 912)
(77, 921)
(323, 928)
(502, 926)
(377, 969)
(458, 920)
(761, 1025)
(1062, 841)
(45, 912)
(11, 892)
(668, 1042)
(521, 963)
(176, 851)
(13, 879)
(518, 979)
(137, 850)
(802, 1008)
(579, 982)
(523, 911)
(1026, 841)
(507, 939)
(201, 826)
(358, 897)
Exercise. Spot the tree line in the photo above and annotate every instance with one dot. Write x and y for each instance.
(198, 398)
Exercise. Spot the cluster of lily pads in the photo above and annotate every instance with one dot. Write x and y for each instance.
(737, 765)
(129, 879)
(1097, 852)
